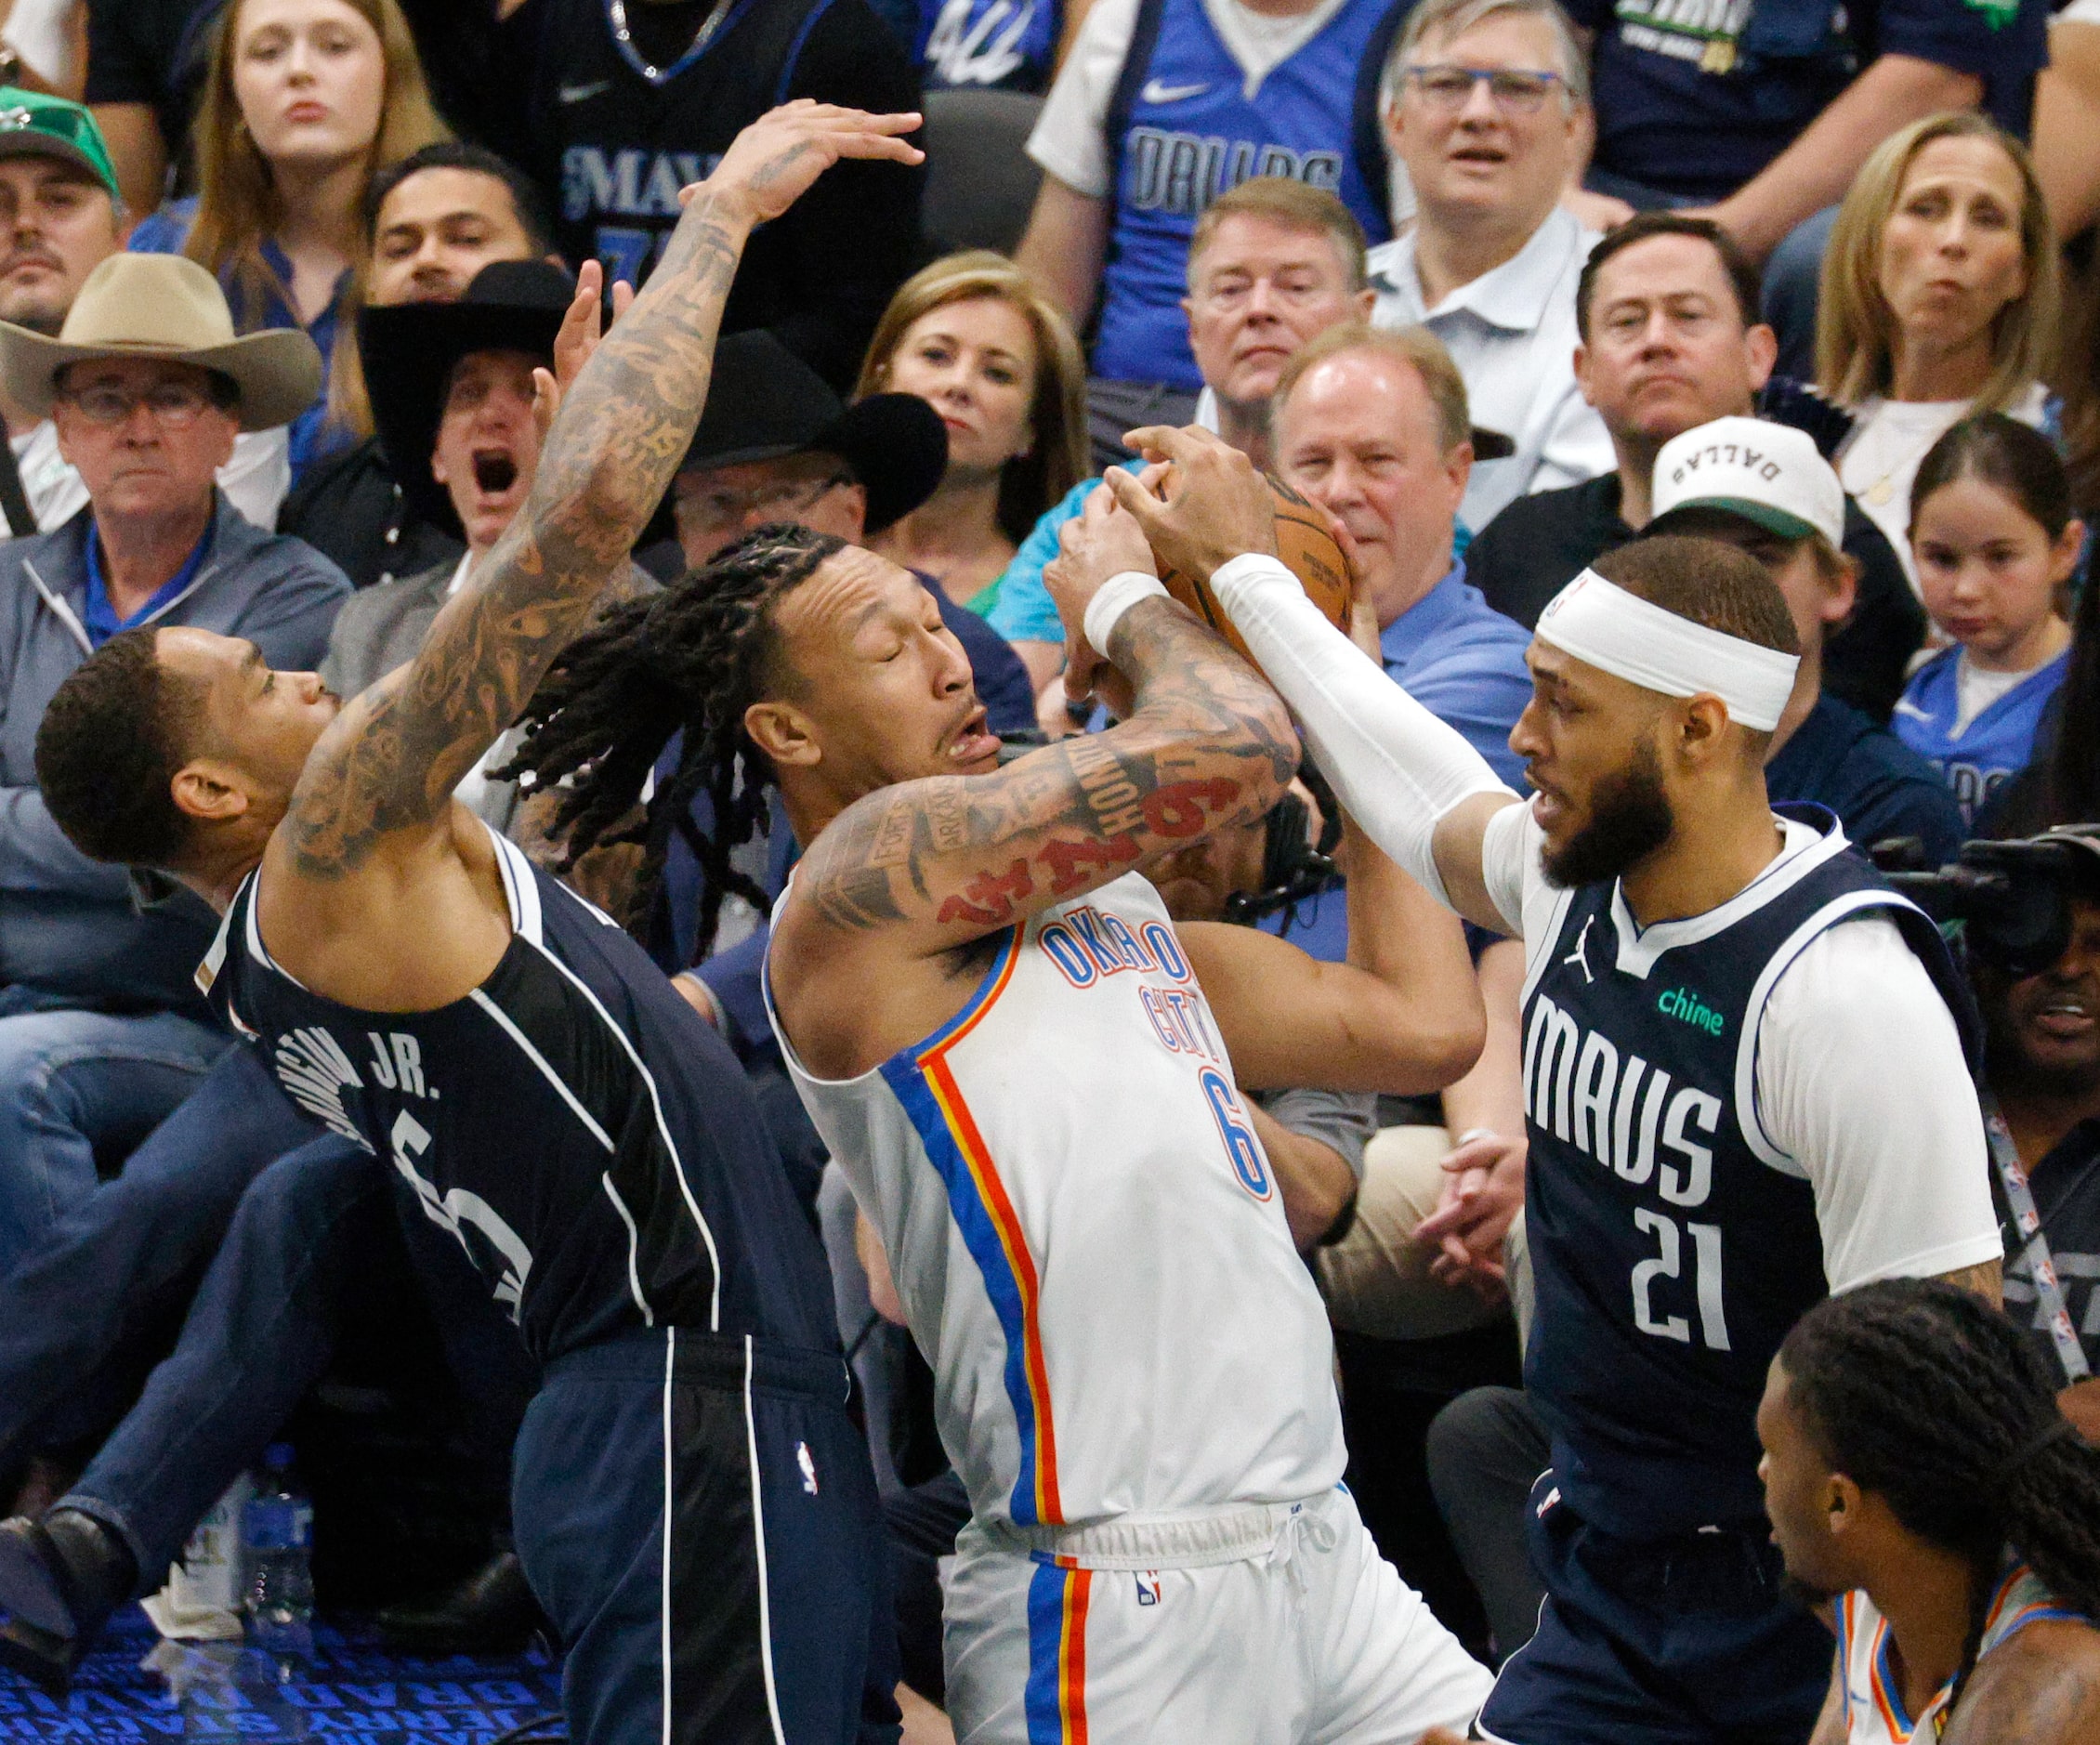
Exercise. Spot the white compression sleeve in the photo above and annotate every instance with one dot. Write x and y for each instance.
(1395, 766)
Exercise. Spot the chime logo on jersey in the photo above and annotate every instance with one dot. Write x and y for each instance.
(1577, 1088)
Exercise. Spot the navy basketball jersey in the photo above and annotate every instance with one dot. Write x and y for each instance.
(989, 45)
(619, 137)
(1673, 1244)
(1184, 129)
(582, 1132)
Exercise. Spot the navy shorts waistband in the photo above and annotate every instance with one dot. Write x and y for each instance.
(712, 1359)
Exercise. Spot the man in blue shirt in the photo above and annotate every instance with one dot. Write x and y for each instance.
(1372, 427)
(1765, 488)
(102, 1031)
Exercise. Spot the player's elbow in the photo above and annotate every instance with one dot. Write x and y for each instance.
(1417, 1051)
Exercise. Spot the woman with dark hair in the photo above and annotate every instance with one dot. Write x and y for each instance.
(303, 101)
(1924, 1486)
(1994, 543)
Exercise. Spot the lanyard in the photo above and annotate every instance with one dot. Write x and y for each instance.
(2042, 1270)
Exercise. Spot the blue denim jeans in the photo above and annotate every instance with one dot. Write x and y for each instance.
(75, 1082)
(97, 1302)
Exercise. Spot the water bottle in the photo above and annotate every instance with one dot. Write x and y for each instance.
(277, 1547)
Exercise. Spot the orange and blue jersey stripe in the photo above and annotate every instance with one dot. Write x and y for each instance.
(924, 1083)
(1055, 1696)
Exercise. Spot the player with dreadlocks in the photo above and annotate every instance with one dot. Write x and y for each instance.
(688, 661)
(1922, 1484)
(1034, 1079)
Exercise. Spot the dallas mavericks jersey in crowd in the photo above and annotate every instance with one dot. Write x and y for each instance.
(627, 142)
(583, 1135)
(1007, 45)
(1185, 128)
(1087, 1236)
(1995, 746)
(1673, 1245)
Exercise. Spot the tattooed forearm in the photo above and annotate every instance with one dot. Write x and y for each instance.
(394, 758)
(1208, 744)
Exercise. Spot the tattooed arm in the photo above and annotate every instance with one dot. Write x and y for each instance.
(949, 858)
(1205, 743)
(388, 765)
(2041, 1688)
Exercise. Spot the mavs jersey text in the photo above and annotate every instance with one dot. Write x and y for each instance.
(1690, 1193)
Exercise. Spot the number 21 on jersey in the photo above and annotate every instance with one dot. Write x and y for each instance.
(1669, 1264)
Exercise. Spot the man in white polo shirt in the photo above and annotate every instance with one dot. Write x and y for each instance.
(1486, 103)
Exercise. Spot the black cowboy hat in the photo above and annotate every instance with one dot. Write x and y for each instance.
(411, 349)
(762, 402)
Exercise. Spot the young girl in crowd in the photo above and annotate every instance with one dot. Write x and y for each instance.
(973, 338)
(1939, 300)
(304, 103)
(1995, 543)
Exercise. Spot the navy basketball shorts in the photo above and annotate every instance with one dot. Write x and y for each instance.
(1683, 1640)
(697, 1515)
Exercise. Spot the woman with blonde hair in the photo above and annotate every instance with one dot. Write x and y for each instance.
(973, 338)
(1939, 300)
(304, 103)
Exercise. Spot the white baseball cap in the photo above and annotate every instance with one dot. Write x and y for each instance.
(1770, 474)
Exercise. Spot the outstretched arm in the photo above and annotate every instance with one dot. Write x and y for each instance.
(389, 763)
(937, 862)
(1418, 790)
(1403, 1016)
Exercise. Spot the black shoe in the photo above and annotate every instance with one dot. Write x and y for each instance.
(492, 1611)
(61, 1578)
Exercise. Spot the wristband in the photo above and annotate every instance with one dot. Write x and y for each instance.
(1117, 596)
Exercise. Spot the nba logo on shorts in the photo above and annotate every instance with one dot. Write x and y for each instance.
(1148, 1589)
(803, 1460)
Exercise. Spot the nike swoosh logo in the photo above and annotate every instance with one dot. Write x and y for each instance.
(584, 93)
(1156, 91)
(1905, 706)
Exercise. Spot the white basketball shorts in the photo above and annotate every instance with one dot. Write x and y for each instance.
(1254, 1626)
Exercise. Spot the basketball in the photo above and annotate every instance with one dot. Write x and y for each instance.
(1309, 551)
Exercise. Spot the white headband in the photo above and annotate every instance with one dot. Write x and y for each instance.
(1620, 632)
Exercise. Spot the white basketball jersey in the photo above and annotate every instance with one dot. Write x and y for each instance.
(1874, 1713)
(1086, 1235)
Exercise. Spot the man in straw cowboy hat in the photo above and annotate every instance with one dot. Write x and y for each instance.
(60, 218)
(101, 1033)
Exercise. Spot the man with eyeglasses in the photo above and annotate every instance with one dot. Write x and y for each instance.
(101, 1029)
(1486, 103)
(1160, 107)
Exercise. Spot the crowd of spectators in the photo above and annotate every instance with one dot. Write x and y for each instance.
(1500, 286)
